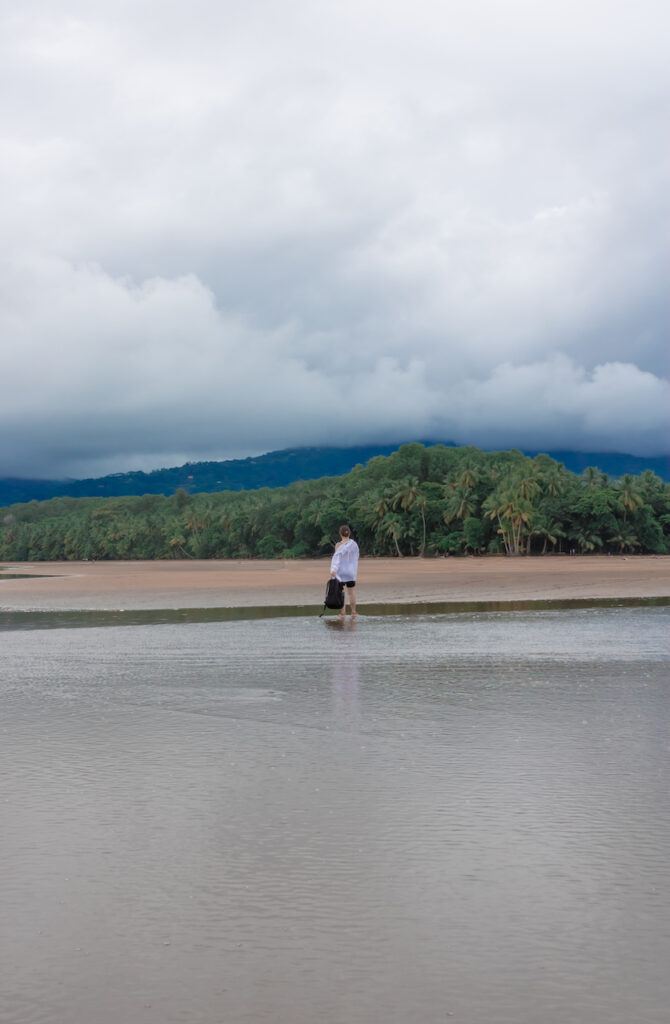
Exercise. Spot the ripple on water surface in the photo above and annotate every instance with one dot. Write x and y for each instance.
(290, 821)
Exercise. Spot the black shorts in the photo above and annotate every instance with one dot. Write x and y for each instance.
(347, 583)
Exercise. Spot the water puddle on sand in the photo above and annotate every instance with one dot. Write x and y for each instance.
(25, 575)
(90, 618)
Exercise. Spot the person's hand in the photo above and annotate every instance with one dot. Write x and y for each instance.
(333, 575)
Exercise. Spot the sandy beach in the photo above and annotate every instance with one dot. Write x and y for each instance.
(230, 584)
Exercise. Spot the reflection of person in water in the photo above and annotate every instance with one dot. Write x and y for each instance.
(345, 688)
(344, 568)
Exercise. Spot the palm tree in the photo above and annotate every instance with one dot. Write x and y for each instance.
(586, 540)
(625, 540)
(420, 503)
(392, 527)
(378, 514)
(409, 496)
(460, 505)
(528, 487)
(406, 494)
(594, 477)
(372, 511)
(468, 479)
(381, 507)
(654, 491)
(553, 479)
(549, 529)
(630, 498)
(177, 546)
(513, 515)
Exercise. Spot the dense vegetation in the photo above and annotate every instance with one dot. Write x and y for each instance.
(420, 500)
(274, 469)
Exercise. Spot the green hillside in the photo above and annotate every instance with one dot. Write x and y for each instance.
(433, 500)
(274, 469)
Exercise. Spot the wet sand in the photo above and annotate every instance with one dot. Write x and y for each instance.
(244, 584)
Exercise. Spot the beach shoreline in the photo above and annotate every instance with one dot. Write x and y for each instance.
(47, 586)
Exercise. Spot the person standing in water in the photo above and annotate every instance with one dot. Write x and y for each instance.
(344, 568)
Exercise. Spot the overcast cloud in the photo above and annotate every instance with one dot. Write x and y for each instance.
(223, 222)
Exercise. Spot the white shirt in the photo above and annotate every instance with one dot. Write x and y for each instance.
(344, 562)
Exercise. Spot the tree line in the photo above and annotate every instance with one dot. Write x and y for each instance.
(418, 501)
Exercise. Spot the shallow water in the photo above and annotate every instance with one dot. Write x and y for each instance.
(414, 820)
(77, 618)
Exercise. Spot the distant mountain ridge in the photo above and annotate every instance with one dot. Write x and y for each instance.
(276, 469)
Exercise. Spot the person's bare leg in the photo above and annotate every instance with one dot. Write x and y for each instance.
(343, 610)
(352, 601)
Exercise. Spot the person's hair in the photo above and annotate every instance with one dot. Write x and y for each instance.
(345, 531)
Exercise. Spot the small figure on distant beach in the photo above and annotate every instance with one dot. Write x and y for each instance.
(344, 568)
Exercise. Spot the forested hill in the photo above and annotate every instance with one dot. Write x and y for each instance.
(275, 469)
(419, 500)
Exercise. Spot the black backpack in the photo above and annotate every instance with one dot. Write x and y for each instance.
(334, 595)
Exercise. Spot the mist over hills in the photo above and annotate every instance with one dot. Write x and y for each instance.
(276, 469)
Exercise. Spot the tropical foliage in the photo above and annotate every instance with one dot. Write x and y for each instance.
(418, 501)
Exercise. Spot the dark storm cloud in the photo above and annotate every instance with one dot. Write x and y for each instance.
(452, 222)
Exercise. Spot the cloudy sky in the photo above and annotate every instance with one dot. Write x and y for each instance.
(234, 227)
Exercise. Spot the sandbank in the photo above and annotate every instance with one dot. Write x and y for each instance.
(56, 586)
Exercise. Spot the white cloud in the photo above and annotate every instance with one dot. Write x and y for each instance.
(217, 222)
